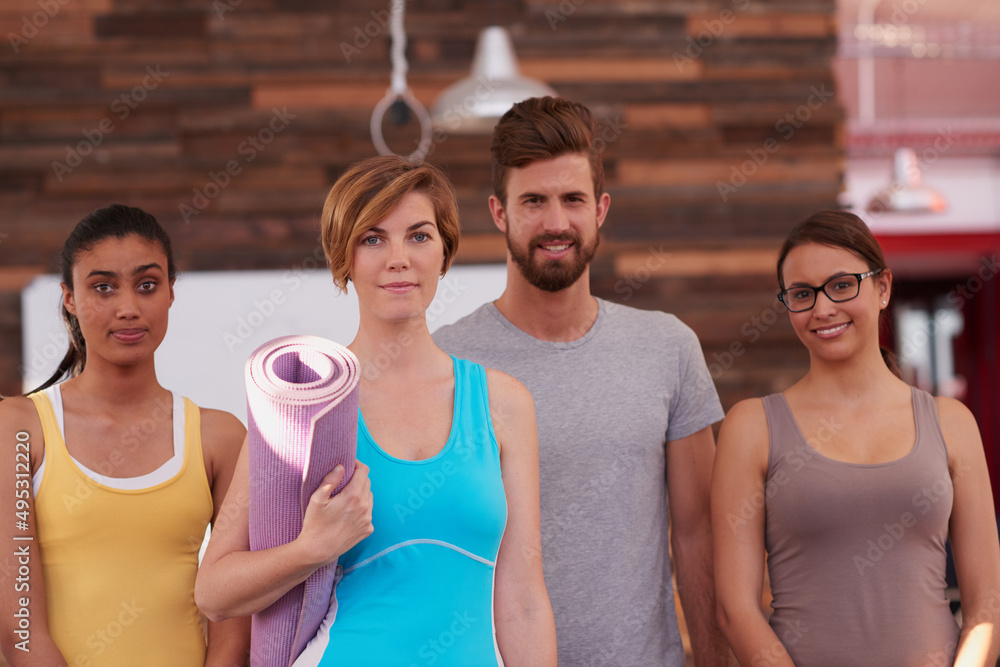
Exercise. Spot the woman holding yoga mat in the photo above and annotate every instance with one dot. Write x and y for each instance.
(436, 536)
(112, 479)
(851, 481)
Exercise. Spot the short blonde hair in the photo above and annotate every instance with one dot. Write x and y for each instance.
(367, 193)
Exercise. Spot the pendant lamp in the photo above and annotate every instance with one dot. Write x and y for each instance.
(907, 193)
(475, 104)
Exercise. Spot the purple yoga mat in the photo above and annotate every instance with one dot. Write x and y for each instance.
(302, 400)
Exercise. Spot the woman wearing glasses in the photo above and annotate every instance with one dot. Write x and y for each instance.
(851, 481)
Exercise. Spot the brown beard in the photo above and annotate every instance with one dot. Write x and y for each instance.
(553, 276)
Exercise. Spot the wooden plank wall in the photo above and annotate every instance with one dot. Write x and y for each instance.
(229, 119)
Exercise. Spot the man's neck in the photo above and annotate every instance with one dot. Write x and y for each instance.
(561, 316)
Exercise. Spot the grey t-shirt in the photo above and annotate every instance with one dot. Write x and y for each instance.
(606, 405)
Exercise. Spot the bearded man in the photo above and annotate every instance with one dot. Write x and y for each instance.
(624, 404)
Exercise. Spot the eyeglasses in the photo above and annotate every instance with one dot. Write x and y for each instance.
(839, 289)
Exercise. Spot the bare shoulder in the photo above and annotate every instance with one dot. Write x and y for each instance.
(507, 391)
(221, 424)
(953, 413)
(748, 416)
(744, 432)
(18, 410)
(959, 428)
(221, 433)
(18, 416)
(512, 411)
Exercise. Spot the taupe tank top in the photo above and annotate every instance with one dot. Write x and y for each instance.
(856, 552)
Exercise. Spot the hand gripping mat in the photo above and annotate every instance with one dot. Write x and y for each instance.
(302, 408)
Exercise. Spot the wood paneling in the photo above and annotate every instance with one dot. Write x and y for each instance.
(229, 120)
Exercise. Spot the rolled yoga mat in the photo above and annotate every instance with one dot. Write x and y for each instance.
(302, 400)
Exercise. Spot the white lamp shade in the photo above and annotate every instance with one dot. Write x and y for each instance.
(474, 104)
(907, 193)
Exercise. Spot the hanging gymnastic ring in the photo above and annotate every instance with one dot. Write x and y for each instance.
(422, 116)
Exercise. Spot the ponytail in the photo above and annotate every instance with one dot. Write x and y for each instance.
(889, 357)
(76, 355)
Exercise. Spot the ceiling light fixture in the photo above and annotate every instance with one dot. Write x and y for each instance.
(475, 104)
(907, 193)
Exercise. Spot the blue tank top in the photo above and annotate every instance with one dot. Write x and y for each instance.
(419, 590)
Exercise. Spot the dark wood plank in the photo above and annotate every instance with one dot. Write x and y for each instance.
(679, 109)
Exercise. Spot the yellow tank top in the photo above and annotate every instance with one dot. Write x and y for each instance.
(120, 564)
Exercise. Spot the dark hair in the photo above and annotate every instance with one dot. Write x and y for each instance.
(840, 229)
(836, 229)
(117, 221)
(541, 128)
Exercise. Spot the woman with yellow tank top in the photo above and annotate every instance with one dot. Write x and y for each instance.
(110, 478)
